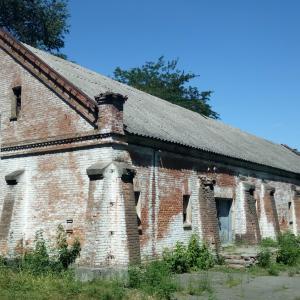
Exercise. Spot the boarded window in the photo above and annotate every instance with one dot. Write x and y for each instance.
(16, 103)
(186, 211)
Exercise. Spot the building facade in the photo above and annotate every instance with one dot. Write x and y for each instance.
(126, 172)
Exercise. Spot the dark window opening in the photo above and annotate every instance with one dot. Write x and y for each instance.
(251, 192)
(16, 103)
(95, 177)
(11, 182)
(138, 211)
(186, 211)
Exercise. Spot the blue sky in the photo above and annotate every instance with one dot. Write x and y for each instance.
(247, 52)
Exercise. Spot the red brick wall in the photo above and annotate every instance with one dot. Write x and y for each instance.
(43, 113)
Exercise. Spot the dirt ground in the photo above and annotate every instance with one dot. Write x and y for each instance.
(232, 286)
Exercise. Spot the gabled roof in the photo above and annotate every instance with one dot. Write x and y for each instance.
(149, 116)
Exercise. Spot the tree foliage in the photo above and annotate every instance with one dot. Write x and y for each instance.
(164, 80)
(39, 23)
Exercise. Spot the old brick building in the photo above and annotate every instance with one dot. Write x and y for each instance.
(128, 173)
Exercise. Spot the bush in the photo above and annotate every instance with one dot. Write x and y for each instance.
(205, 259)
(66, 255)
(268, 242)
(153, 278)
(177, 259)
(264, 258)
(289, 249)
(273, 270)
(39, 261)
(195, 256)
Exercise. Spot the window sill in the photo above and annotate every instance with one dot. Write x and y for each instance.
(187, 226)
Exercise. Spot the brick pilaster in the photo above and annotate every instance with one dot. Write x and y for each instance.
(251, 224)
(110, 107)
(208, 212)
(270, 207)
(112, 230)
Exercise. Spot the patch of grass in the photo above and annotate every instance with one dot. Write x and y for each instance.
(268, 242)
(273, 270)
(153, 278)
(231, 281)
(201, 285)
(194, 290)
(25, 285)
(257, 271)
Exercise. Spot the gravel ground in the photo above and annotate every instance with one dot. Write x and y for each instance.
(232, 286)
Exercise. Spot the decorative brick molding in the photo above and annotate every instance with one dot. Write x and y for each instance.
(208, 212)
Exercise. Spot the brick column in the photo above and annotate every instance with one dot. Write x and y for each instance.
(208, 212)
(269, 217)
(110, 107)
(112, 238)
(247, 226)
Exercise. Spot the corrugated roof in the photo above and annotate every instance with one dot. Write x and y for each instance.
(150, 116)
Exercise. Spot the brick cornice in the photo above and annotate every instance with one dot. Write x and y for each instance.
(59, 144)
(76, 98)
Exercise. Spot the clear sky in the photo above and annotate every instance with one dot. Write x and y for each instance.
(247, 52)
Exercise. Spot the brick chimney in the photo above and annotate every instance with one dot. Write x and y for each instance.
(111, 112)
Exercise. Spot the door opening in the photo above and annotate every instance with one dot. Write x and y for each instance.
(223, 206)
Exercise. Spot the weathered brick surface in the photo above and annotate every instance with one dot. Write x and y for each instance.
(208, 212)
(43, 113)
(54, 186)
(251, 232)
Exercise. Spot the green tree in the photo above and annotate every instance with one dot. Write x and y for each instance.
(164, 80)
(39, 23)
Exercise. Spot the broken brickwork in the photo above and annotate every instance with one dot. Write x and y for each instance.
(67, 160)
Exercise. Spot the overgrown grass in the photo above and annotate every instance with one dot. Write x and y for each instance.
(40, 274)
(154, 278)
(201, 285)
(26, 285)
